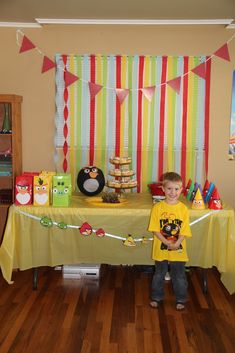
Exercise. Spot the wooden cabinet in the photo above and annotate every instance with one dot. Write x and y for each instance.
(10, 152)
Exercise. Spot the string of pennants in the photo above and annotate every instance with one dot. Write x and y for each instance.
(94, 88)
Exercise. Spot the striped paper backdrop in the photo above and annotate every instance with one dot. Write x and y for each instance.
(168, 133)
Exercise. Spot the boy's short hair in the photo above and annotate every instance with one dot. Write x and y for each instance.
(171, 176)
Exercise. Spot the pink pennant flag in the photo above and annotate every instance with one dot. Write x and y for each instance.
(94, 89)
(69, 78)
(223, 52)
(121, 94)
(26, 45)
(48, 64)
(175, 84)
(149, 92)
(200, 70)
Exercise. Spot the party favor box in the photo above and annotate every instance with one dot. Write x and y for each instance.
(23, 190)
(41, 190)
(62, 189)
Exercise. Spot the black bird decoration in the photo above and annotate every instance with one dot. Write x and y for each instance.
(90, 180)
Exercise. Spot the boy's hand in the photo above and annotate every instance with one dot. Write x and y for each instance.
(173, 246)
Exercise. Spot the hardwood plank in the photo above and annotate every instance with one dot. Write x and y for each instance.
(184, 346)
(16, 325)
(195, 288)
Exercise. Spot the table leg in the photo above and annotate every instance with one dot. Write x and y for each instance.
(35, 278)
(204, 281)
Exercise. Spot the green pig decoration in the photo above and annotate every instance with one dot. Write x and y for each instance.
(62, 190)
(46, 222)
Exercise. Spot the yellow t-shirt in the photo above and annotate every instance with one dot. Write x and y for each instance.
(171, 221)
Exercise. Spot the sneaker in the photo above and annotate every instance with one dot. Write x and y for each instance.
(167, 276)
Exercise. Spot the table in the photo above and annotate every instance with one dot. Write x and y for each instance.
(28, 244)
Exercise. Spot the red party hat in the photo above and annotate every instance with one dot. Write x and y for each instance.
(215, 202)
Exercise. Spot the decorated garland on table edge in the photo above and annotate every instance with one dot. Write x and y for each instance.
(86, 229)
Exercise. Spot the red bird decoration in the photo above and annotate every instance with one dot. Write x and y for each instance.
(85, 229)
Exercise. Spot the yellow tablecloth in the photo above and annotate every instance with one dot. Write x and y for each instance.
(27, 243)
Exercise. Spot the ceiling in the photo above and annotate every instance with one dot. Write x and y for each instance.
(28, 11)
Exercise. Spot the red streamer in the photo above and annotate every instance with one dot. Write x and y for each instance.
(65, 165)
(139, 127)
(162, 118)
(118, 106)
(65, 129)
(65, 148)
(66, 113)
(184, 121)
(66, 95)
(92, 114)
(207, 113)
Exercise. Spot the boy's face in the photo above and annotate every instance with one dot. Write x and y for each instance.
(172, 191)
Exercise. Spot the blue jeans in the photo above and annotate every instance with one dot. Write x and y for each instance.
(178, 277)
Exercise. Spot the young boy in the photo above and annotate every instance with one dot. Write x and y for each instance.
(169, 222)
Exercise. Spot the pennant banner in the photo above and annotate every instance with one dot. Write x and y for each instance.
(148, 92)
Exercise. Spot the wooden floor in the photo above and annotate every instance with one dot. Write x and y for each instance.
(112, 315)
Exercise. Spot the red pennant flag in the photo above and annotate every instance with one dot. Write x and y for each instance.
(69, 78)
(48, 64)
(223, 52)
(26, 45)
(121, 94)
(149, 92)
(94, 89)
(175, 84)
(200, 70)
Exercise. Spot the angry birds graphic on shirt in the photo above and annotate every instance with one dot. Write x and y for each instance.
(171, 232)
